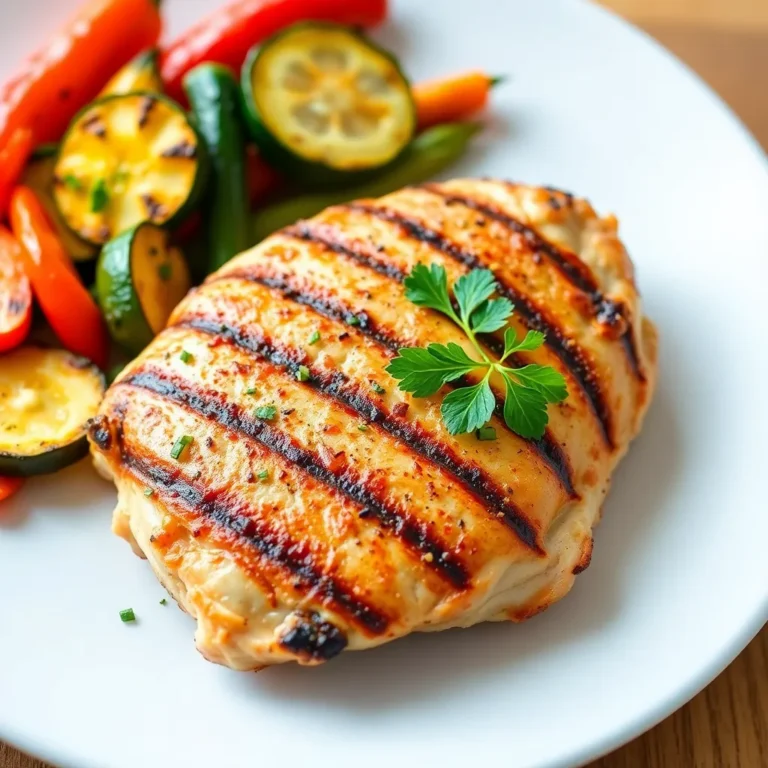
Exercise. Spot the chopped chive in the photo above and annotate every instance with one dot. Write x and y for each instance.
(250, 391)
(71, 181)
(377, 388)
(353, 320)
(266, 412)
(164, 271)
(180, 445)
(186, 357)
(149, 491)
(302, 374)
(264, 474)
(485, 433)
(362, 427)
(163, 602)
(120, 176)
(127, 615)
(315, 337)
(99, 196)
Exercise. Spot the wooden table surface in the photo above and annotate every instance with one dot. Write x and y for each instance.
(726, 725)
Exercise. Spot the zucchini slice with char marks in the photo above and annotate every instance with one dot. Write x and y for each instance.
(47, 397)
(140, 278)
(139, 74)
(38, 175)
(322, 101)
(127, 159)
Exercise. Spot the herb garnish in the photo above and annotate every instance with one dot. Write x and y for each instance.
(422, 372)
(99, 196)
(180, 445)
(186, 357)
(315, 337)
(127, 615)
(71, 181)
(266, 412)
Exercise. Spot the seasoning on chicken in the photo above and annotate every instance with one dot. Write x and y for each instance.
(313, 506)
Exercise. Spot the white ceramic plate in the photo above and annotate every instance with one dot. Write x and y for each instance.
(679, 580)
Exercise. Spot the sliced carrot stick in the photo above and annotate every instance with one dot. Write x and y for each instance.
(448, 99)
(13, 158)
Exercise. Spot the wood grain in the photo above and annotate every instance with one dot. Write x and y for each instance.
(726, 725)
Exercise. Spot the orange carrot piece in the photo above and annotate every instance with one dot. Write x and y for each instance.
(13, 158)
(448, 99)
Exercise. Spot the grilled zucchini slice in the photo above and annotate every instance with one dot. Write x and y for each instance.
(127, 159)
(140, 74)
(140, 278)
(38, 175)
(47, 397)
(323, 100)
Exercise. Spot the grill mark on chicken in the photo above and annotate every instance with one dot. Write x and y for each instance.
(295, 557)
(214, 407)
(312, 637)
(571, 267)
(566, 348)
(547, 447)
(338, 386)
(309, 234)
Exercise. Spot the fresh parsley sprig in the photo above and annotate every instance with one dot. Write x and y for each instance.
(422, 372)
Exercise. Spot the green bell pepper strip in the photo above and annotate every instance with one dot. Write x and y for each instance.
(427, 155)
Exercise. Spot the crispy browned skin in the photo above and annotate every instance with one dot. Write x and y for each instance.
(353, 517)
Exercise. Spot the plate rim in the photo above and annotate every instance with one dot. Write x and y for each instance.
(648, 716)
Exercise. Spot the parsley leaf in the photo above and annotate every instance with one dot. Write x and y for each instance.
(428, 287)
(491, 315)
(545, 380)
(468, 408)
(525, 410)
(473, 289)
(423, 371)
(533, 340)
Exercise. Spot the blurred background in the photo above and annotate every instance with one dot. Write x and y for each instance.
(726, 726)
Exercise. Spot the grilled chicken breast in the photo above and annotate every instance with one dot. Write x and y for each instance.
(311, 516)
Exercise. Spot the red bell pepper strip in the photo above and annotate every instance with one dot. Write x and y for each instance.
(9, 486)
(13, 158)
(66, 303)
(15, 294)
(62, 77)
(262, 179)
(227, 34)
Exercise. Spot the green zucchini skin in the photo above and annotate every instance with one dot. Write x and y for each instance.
(117, 275)
(52, 460)
(117, 298)
(216, 103)
(311, 174)
(201, 160)
(55, 457)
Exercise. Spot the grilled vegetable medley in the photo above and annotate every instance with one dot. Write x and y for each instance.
(129, 171)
